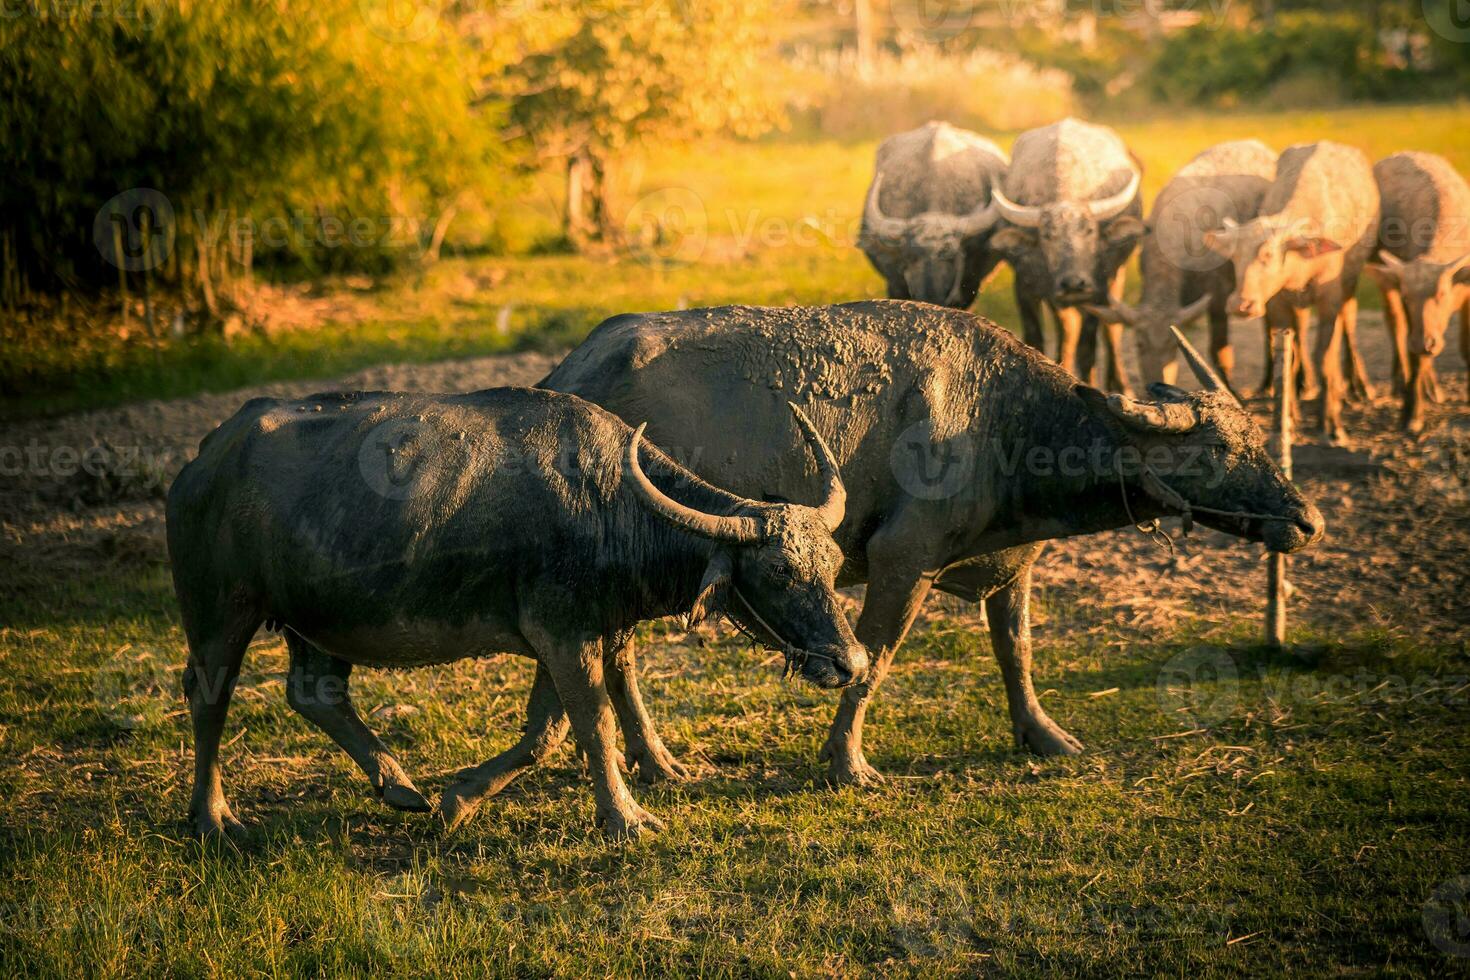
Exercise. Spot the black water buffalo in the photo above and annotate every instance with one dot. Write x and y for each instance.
(392, 530)
(962, 449)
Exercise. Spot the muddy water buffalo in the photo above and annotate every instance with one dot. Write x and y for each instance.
(1317, 226)
(1424, 272)
(1072, 215)
(962, 449)
(1182, 278)
(393, 530)
(927, 217)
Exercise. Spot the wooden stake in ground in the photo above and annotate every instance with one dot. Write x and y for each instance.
(1277, 587)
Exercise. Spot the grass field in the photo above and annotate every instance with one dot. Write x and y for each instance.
(1268, 812)
(1237, 812)
(769, 223)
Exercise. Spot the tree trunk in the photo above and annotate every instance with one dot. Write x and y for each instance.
(866, 47)
(575, 225)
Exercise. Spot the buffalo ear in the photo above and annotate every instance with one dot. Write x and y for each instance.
(712, 590)
(1012, 240)
(1220, 240)
(1125, 227)
(1097, 403)
(1311, 247)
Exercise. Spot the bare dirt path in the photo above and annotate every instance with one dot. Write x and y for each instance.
(84, 488)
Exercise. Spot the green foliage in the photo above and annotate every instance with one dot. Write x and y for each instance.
(1226, 65)
(313, 124)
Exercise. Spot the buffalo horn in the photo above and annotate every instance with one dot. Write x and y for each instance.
(834, 500)
(736, 530)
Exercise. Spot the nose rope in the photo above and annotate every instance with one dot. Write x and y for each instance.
(796, 658)
(1170, 497)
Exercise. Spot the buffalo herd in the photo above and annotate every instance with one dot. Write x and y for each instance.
(903, 444)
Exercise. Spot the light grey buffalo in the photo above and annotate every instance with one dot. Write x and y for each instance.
(1424, 270)
(1182, 278)
(1073, 215)
(394, 530)
(1317, 226)
(963, 451)
(927, 217)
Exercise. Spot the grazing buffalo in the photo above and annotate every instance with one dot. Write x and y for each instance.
(1424, 248)
(928, 215)
(393, 530)
(1317, 226)
(963, 451)
(1073, 214)
(1183, 279)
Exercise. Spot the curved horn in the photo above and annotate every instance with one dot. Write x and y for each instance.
(1156, 416)
(878, 224)
(979, 221)
(834, 500)
(1208, 379)
(1110, 206)
(736, 530)
(1021, 215)
(1389, 259)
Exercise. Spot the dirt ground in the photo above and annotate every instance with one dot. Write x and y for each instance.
(88, 487)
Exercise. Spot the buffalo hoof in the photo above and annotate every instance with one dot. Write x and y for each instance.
(401, 797)
(217, 827)
(1045, 737)
(456, 806)
(656, 765)
(635, 823)
(848, 768)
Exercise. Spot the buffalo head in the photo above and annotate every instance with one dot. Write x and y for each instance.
(1269, 254)
(1201, 453)
(1070, 237)
(926, 251)
(1151, 323)
(1432, 292)
(775, 568)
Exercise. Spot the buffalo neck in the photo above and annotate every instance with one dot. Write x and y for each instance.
(1053, 467)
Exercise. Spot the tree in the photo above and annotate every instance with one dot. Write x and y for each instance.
(609, 75)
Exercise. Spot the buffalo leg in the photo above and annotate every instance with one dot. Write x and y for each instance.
(645, 750)
(1221, 350)
(1360, 389)
(1009, 613)
(216, 650)
(1398, 334)
(1072, 355)
(895, 594)
(1030, 310)
(1465, 344)
(576, 668)
(546, 729)
(1308, 378)
(1117, 371)
(317, 688)
(1330, 364)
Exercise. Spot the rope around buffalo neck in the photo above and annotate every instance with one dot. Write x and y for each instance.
(1170, 497)
(796, 658)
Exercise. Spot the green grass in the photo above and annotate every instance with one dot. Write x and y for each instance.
(769, 222)
(1297, 817)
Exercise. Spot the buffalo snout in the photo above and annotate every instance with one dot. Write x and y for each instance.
(1074, 285)
(841, 667)
(1304, 530)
